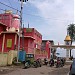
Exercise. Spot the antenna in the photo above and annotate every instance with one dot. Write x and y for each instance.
(28, 24)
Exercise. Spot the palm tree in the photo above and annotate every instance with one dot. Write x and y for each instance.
(71, 32)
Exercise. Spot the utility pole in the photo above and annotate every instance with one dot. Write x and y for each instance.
(20, 26)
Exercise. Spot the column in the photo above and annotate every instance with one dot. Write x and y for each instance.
(67, 54)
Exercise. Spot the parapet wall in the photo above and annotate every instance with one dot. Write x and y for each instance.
(7, 58)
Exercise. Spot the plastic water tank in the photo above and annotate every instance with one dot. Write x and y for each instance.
(22, 55)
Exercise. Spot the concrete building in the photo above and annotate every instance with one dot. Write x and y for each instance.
(10, 19)
(30, 41)
(46, 47)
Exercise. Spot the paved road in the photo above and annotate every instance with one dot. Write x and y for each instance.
(44, 70)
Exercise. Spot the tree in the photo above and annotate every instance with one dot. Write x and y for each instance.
(71, 32)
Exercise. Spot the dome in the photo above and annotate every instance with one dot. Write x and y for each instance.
(67, 38)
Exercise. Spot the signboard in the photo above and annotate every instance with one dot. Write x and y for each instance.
(28, 29)
(9, 43)
(29, 55)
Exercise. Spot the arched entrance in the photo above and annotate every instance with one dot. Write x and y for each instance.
(68, 45)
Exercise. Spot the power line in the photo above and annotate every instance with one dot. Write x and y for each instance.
(10, 3)
(9, 6)
(37, 16)
(5, 10)
(58, 19)
(2, 9)
(27, 13)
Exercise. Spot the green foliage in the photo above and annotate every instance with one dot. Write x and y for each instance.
(71, 31)
(28, 29)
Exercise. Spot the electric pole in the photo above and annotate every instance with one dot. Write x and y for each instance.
(20, 26)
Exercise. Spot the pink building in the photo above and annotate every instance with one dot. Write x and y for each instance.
(46, 46)
(2, 28)
(10, 20)
(31, 41)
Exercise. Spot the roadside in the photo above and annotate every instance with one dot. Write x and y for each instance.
(44, 70)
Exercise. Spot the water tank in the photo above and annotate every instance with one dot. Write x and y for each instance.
(22, 55)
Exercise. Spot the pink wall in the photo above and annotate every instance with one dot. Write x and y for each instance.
(36, 35)
(2, 27)
(6, 19)
(1, 39)
(9, 36)
(28, 44)
(15, 21)
(38, 38)
(25, 41)
(10, 20)
(31, 38)
(48, 48)
(40, 56)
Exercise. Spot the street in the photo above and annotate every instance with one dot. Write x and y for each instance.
(44, 70)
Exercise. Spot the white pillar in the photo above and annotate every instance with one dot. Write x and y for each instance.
(3, 43)
(67, 54)
(15, 39)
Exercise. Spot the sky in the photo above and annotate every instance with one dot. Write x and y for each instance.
(55, 16)
(50, 17)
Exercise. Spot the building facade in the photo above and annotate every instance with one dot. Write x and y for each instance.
(30, 38)
(10, 20)
(30, 41)
(46, 47)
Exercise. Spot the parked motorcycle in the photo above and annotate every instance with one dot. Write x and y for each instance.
(59, 63)
(26, 64)
(37, 63)
(63, 61)
(45, 61)
(51, 63)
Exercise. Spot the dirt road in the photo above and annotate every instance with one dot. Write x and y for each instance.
(44, 70)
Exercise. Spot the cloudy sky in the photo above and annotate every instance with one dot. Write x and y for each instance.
(56, 16)
(50, 17)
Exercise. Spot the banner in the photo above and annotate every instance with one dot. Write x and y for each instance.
(9, 43)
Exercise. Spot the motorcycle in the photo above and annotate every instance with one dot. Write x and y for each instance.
(45, 61)
(37, 63)
(51, 62)
(59, 63)
(26, 64)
